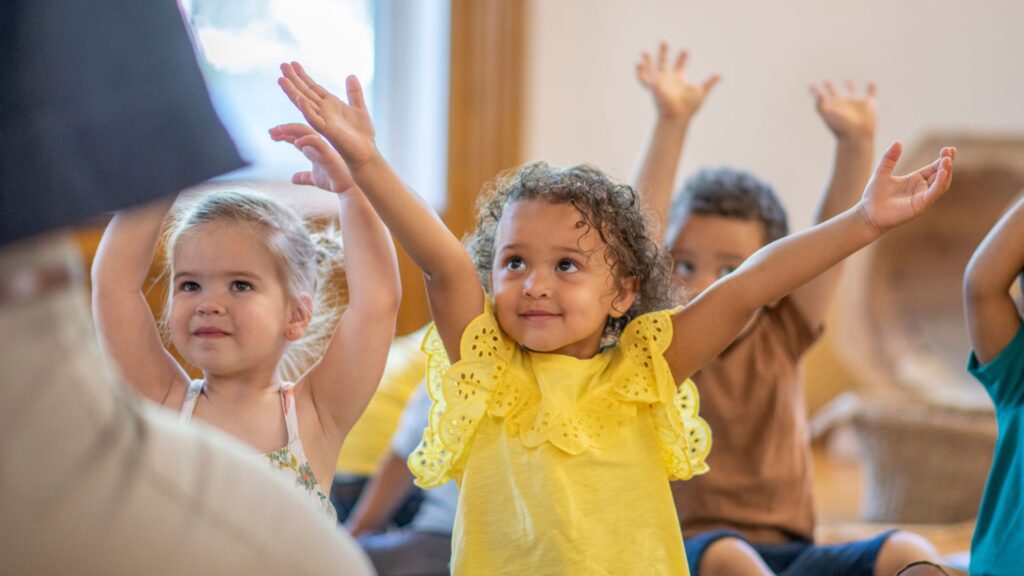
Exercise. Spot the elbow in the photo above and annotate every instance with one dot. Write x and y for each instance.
(980, 286)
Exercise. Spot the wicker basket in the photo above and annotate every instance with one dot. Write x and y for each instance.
(923, 465)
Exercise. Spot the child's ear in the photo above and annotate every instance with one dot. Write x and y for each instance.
(625, 298)
(300, 317)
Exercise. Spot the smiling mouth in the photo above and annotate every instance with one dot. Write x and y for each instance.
(538, 315)
(209, 333)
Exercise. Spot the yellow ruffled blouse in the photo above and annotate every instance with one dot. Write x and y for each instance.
(562, 464)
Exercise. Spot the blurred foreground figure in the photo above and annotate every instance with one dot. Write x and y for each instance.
(104, 107)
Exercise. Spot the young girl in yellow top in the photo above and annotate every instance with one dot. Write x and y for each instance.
(243, 302)
(563, 442)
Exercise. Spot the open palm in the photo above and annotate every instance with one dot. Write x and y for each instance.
(891, 200)
(347, 126)
(674, 95)
(848, 114)
(328, 170)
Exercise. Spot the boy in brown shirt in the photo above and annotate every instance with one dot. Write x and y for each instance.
(754, 512)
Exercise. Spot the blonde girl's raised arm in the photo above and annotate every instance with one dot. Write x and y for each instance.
(705, 327)
(992, 316)
(452, 285)
(123, 319)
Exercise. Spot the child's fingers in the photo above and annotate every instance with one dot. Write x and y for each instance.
(662, 55)
(309, 112)
(851, 87)
(300, 85)
(316, 88)
(643, 69)
(290, 90)
(681, 61)
(941, 184)
(928, 172)
(818, 94)
(710, 83)
(889, 159)
(304, 178)
(289, 132)
(355, 92)
(871, 90)
(314, 142)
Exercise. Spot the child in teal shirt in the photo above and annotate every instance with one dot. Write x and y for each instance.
(997, 361)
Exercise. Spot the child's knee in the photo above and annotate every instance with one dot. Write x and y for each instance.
(732, 556)
(902, 548)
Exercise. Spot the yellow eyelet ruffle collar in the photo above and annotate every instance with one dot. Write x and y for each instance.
(490, 379)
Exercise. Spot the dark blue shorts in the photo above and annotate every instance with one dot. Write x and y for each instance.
(799, 558)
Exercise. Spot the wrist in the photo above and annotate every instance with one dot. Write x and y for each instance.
(867, 224)
(363, 167)
(860, 138)
(674, 120)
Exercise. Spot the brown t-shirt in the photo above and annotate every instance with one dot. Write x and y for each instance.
(751, 396)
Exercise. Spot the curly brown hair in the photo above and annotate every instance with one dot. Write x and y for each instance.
(613, 209)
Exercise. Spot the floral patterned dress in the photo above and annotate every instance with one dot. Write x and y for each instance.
(290, 460)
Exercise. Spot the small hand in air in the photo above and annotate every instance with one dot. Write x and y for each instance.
(891, 200)
(848, 115)
(674, 96)
(347, 126)
(328, 169)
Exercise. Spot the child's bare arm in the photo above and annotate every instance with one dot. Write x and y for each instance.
(677, 101)
(382, 496)
(992, 317)
(705, 327)
(452, 285)
(123, 319)
(346, 375)
(851, 117)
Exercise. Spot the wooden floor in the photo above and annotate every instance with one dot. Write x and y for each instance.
(838, 486)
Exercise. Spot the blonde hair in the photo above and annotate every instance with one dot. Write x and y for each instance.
(308, 262)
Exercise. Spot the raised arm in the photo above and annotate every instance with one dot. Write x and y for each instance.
(123, 319)
(851, 117)
(705, 327)
(677, 101)
(346, 375)
(452, 285)
(992, 317)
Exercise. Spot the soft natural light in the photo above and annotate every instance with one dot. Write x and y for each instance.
(242, 43)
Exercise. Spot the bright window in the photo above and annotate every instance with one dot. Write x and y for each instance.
(241, 44)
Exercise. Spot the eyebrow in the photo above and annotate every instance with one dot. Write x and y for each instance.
(569, 249)
(719, 255)
(234, 274)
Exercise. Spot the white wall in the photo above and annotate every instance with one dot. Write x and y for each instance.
(939, 66)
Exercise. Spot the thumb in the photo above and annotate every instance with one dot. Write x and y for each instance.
(889, 159)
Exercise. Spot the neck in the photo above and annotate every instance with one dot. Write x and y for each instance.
(242, 387)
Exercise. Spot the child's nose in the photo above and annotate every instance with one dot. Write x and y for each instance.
(208, 306)
(536, 285)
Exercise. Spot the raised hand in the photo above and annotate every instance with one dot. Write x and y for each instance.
(347, 126)
(848, 115)
(674, 96)
(891, 200)
(328, 169)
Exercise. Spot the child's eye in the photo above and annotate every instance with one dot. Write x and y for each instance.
(514, 263)
(567, 265)
(683, 268)
(241, 286)
(725, 271)
(188, 286)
